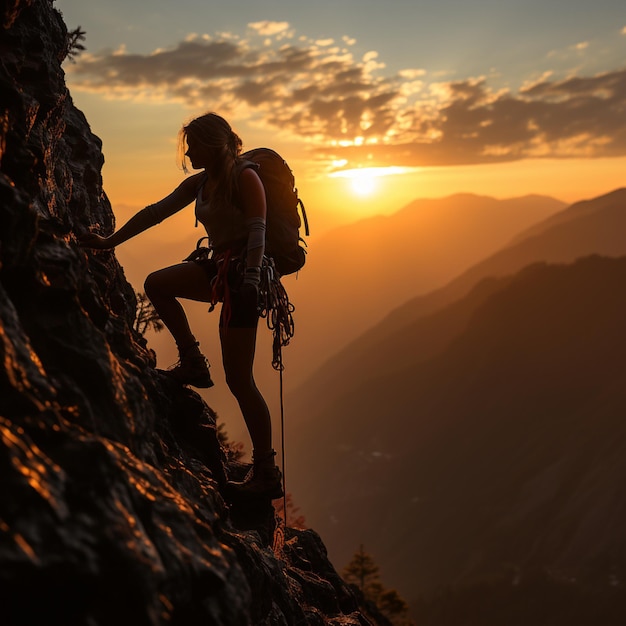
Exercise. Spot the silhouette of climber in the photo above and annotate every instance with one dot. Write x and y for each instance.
(230, 203)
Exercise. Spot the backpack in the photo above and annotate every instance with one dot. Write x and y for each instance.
(282, 238)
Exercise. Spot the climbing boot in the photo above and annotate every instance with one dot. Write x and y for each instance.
(191, 369)
(263, 479)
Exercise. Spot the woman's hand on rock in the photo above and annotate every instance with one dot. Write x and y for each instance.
(93, 240)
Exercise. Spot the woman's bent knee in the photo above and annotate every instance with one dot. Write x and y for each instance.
(185, 280)
(151, 285)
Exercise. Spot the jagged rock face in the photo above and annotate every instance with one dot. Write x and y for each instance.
(111, 509)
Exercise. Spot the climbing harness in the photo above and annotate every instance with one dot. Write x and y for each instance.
(220, 289)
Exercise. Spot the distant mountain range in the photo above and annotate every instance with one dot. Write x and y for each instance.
(478, 432)
(590, 227)
(357, 274)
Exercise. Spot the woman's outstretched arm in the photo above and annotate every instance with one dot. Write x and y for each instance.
(183, 195)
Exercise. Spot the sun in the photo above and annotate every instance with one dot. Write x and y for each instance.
(363, 182)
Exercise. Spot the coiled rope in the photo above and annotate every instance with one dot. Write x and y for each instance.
(274, 305)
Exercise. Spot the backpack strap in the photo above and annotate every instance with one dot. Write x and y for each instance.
(245, 164)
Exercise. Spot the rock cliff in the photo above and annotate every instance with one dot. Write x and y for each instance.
(111, 509)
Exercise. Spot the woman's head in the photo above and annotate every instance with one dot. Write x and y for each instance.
(209, 142)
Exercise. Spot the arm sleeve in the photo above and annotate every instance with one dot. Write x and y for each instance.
(255, 211)
(256, 241)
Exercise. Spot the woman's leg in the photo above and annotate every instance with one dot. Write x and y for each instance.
(238, 347)
(190, 281)
(163, 287)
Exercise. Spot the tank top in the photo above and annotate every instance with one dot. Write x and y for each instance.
(225, 224)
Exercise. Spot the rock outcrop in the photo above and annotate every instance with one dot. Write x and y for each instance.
(111, 505)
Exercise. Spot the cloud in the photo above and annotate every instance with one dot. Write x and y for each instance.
(577, 117)
(269, 28)
(348, 110)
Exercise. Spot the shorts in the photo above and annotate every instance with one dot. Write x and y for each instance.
(240, 306)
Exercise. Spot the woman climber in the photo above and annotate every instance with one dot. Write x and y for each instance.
(230, 203)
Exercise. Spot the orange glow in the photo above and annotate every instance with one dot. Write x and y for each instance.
(363, 185)
(331, 202)
(364, 180)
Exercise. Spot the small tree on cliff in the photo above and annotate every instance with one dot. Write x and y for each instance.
(363, 572)
(234, 450)
(146, 317)
(73, 44)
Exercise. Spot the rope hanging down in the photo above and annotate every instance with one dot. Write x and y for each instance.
(274, 305)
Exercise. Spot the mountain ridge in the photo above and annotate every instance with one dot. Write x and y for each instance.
(358, 273)
(517, 423)
(594, 227)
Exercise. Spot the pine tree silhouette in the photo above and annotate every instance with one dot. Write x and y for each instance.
(364, 573)
(146, 317)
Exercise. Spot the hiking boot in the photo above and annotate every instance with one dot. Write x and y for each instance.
(261, 480)
(192, 369)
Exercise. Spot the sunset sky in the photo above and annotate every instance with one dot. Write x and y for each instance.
(374, 104)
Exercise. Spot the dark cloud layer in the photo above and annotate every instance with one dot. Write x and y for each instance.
(348, 110)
